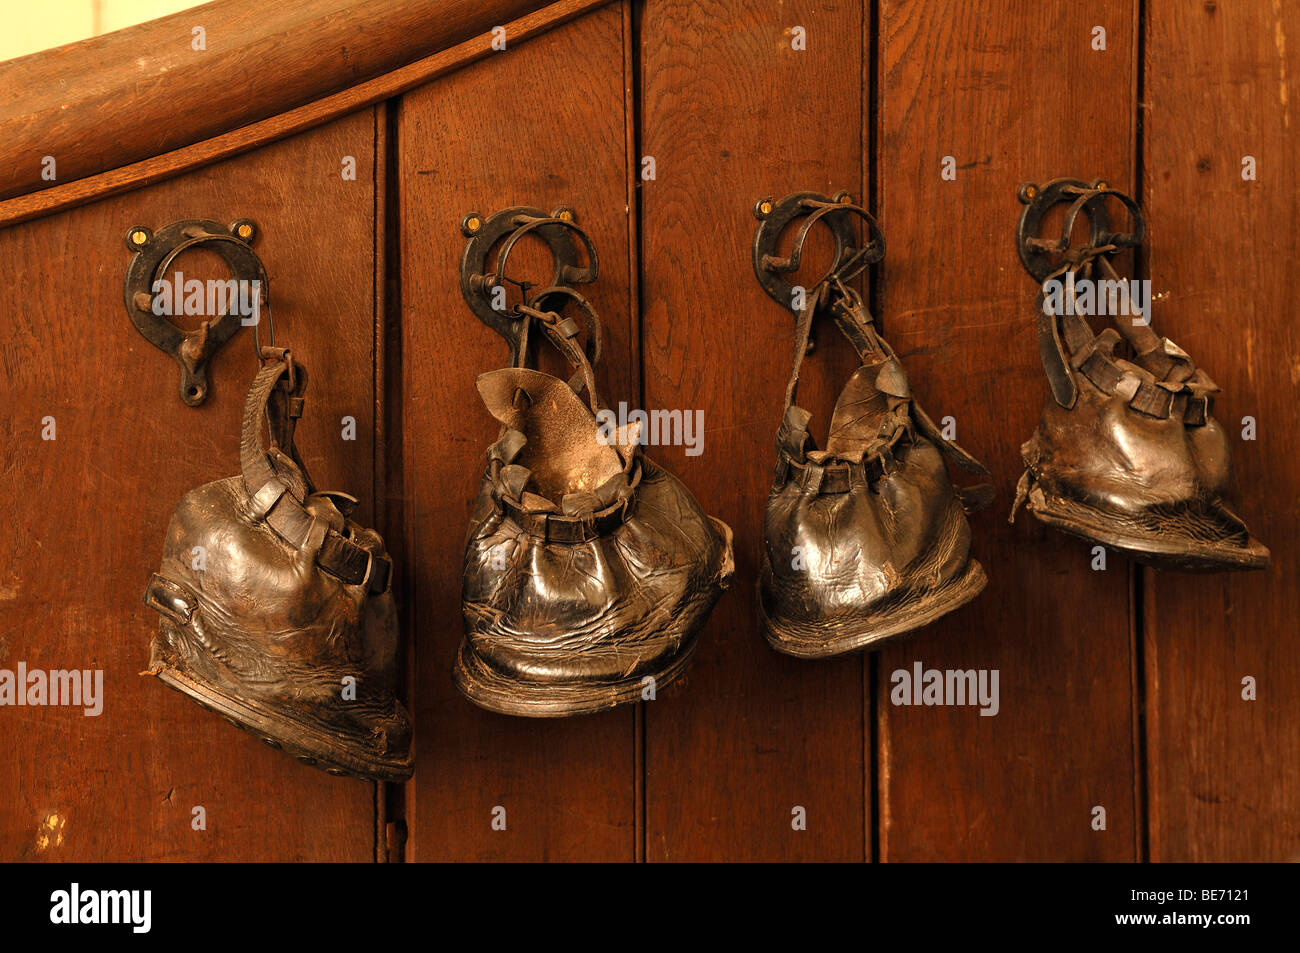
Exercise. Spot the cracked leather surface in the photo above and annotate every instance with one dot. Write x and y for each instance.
(588, 567)
(1130, 456)
(261, 632)
(867, 538)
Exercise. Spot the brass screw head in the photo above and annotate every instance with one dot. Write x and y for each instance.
(473, 224)
(245, 231)
(138, 237)
(566, 216)
(766, 208)
(1102, 185)
(1031, 192)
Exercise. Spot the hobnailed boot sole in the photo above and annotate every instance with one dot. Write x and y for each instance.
(1178, 552)
(847, 634)
(305, 742)
(490, 689)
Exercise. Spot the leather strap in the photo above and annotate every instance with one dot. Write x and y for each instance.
(831, 478)
(1067, 345)
(170, 599)
(278, 485)
(585, 516)
(558, 528)
(850, 315)
(562, 332)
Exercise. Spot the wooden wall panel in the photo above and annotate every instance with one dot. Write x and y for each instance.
(1014, 93)
(541, 124)
(732, 113)
(92, 507)
(1222, 81)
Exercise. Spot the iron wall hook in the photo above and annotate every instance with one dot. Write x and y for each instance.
(154, 253)
(836, 212)
(562, 235)
(1042, 256)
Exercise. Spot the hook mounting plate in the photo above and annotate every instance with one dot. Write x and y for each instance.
(153, 253)
(1042, 256)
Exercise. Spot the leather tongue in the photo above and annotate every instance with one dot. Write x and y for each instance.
(855, 424)
(563, 447)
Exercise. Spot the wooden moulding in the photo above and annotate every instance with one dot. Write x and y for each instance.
(132, 107)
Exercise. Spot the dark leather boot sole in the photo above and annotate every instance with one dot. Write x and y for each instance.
(308, 743)
(1178, 550)
(490, 689)
(846, 634)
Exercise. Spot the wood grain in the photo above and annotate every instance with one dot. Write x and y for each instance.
(539, 125)
(1014, 93)
(1222, 85)
(732, 113)
(124, 96)
(94, 503)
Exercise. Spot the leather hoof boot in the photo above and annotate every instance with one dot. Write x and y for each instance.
(276, 608)
(866, 539)
(589, 570)
(1127, 453)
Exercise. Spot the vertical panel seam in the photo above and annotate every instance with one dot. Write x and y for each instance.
(390, 329)
(636, 347)
(378, 477)
(1141, 574)
(871, 114)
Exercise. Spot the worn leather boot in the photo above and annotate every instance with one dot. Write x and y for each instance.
(866, 539)
(276, 609)
(589, 569)
(1127, 453)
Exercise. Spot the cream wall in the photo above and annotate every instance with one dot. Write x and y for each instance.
(27, 26)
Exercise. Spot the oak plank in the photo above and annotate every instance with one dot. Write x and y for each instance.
(94, 504)
(538, 125)
(1014, 93)
(732, 113)
(1222, 85)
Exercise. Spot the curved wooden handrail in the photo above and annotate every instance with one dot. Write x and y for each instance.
(136, 175)
(136, 93)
